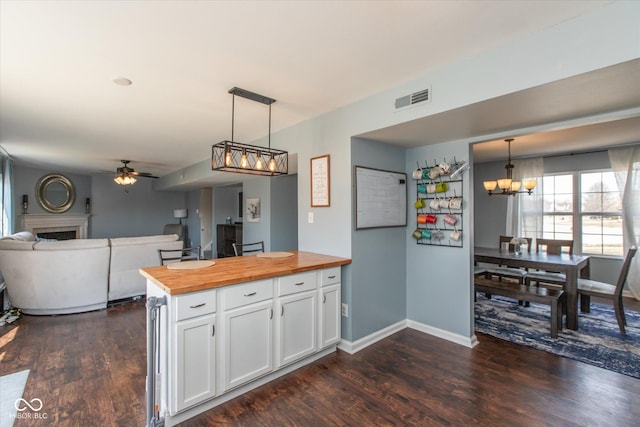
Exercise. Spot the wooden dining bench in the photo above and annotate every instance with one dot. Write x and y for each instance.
(554, 297)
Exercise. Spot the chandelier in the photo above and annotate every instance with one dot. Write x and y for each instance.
(507, 186)
(232, 156)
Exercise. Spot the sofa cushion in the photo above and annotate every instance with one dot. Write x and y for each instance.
(124, 241)
(128, 256)
(16, 245)
(72, 244)
(25, 236)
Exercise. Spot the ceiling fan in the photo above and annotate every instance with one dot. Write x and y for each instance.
(128, 176)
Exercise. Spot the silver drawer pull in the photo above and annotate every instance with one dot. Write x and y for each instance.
(198, 305)
(332, 277)
(299, 283)
(250, 294)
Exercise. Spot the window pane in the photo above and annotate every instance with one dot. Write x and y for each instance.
(564, 184)
(599, 192)
(558, 193)
(612, 245)
(591, 244)
(564, 224)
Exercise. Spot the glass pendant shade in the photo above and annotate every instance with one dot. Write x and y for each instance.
(490, 185)
(530, 184)
(504, 183)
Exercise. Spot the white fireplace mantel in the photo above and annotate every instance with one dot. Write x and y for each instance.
(61, 222)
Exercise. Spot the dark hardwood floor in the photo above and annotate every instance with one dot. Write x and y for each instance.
(89, 370)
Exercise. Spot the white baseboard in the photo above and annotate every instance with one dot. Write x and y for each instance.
(364, 342)
(445, 335)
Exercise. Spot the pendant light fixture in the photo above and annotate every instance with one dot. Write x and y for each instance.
(507, 186)
(232, 156)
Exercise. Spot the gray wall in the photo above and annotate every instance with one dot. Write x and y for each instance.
(138, 211)
(225, 205)
(26, 179)
(439, 292)
(284, 213)
(256, 231)
(377, 296)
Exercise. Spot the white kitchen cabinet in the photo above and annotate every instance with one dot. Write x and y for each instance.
(248, 333)
(215, 344)
(329, 319)
(194, 354)
(297, 326)
(195, 366)
(329, 308)
(297, 321)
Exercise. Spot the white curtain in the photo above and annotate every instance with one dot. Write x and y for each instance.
(524, 211)
(6, 193)
(625, 163)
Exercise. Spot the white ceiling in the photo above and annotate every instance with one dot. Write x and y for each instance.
(60, 110)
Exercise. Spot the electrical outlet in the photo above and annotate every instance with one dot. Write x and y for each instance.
(345, 310)
(310, 217)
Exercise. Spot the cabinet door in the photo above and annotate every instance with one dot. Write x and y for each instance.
(248, 343)
(329, 315)
(194, 362)
(297, 326)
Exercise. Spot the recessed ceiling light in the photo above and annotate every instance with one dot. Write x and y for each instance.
(122, 81)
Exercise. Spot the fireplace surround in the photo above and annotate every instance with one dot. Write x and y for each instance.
(57, 223)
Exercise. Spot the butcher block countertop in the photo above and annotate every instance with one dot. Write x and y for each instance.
(233, 270)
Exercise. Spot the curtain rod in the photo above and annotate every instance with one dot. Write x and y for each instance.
(599, 150)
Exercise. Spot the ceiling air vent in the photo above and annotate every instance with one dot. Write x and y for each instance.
(413, 99)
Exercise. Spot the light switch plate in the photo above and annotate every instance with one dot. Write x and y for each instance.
(310, 217)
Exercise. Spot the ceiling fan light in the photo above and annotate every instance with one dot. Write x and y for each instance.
(490, 185)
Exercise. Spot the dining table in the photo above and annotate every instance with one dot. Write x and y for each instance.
(573, 266)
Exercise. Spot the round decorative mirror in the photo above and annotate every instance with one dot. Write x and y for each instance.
(55, 193)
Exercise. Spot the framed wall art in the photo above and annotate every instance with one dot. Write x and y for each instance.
(320, 182)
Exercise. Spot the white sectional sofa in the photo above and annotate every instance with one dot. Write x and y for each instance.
(73, 276)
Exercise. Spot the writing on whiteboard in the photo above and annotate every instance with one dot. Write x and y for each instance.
(381, 198)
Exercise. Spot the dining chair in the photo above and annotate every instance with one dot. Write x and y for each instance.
(588, 288)
(553, 247)
(510, 272)
(241, 249)
(168, 256)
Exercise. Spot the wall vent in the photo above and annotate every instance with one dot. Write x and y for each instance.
(413, 99)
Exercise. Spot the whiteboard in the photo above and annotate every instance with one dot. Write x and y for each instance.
(380, 198)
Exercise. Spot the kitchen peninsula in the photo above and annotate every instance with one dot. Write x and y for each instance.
(220, 330)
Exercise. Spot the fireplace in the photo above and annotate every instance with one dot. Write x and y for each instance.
(57, 235)
(66, 224)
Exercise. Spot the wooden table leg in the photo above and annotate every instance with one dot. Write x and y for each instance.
(571, 290)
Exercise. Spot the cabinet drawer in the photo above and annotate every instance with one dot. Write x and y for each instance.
(297, 283)
(195, 304)
(331, 276)
(240, 295)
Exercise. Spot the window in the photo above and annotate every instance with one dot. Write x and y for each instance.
(601, 214)
(584, 207)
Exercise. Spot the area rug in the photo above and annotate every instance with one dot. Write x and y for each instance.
(598, 341)
(11, 389)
